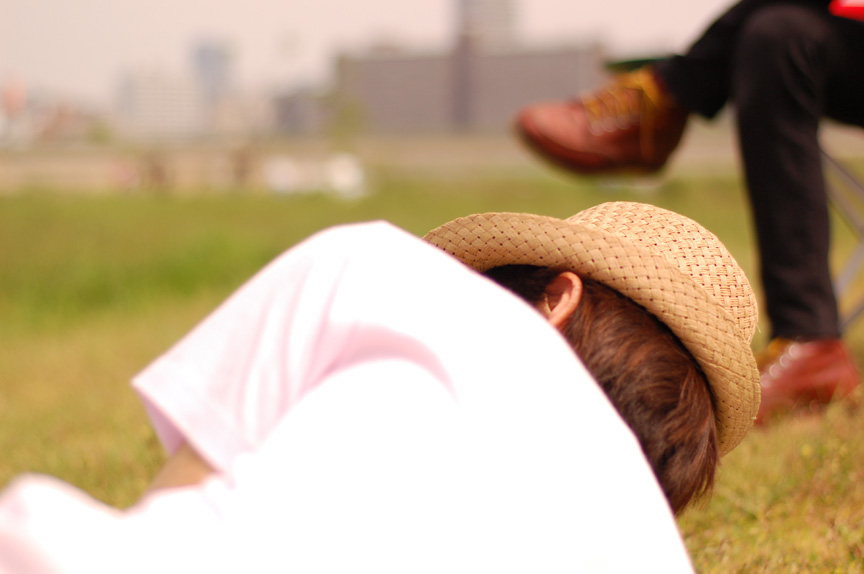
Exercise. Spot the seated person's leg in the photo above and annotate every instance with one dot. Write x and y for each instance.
(792, 65)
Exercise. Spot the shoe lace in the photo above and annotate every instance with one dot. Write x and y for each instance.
(633, 98)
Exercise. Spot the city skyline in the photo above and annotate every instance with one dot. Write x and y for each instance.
(81, 50)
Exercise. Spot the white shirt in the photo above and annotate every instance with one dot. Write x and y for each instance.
(370, 405)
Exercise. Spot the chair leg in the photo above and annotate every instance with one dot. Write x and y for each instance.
(844, 202)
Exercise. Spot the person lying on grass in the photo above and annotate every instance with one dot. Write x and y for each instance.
(372, 401)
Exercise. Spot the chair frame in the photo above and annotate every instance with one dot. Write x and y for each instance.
(846, 195)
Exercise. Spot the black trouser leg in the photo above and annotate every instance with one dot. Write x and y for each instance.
(700, 79)
(787, 62)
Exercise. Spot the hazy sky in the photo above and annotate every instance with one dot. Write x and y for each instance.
(80, 47)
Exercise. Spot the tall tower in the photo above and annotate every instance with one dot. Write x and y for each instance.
(212, 61)
(488, 23)
(481, 26)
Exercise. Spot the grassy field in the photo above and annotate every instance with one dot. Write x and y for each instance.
(94, 287)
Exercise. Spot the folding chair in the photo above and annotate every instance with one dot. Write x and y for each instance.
(846, 193)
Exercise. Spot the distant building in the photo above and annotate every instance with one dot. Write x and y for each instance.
(476, 86)
(395, 92)
(467, 89)
(490, 23)
(36, 117)
(302, 112)
(213, 65)
(155, 105)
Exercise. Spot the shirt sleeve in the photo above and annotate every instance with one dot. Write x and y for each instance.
(226, 384)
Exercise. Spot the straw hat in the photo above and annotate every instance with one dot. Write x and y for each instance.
(669, 264)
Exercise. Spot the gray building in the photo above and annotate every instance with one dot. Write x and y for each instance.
(476, 86)
(213, 63)
(302, 112)
(395, 92)
(153, 105)
(491, 23)
(464, 90)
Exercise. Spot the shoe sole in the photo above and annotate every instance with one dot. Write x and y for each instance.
(543, 151)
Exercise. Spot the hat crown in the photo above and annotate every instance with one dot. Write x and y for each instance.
(691, 248)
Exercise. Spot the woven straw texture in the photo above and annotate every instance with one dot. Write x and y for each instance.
(669, 264)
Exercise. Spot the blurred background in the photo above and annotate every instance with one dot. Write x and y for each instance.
(127, 94)
(192, 95)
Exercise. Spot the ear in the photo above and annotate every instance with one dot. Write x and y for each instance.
(561, 297)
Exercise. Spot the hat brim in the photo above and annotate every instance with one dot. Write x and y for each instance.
(715, 339)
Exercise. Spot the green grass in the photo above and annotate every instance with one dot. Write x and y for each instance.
(94, 287)
(790, 499)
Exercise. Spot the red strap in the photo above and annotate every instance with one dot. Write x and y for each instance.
(847, 8)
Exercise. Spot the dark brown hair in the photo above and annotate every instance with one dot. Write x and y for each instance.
(648, 375)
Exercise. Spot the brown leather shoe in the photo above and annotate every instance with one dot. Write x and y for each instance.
(631, 125)
(804, 374)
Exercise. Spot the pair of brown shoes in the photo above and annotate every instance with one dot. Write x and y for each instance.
(803, 375)
(631, 125)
